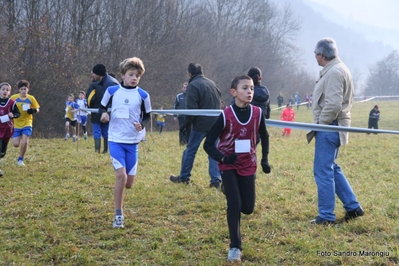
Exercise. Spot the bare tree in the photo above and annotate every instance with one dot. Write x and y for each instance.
(55, 43)
(384, 76)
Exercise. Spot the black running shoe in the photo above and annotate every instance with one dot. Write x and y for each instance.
(354, 214)
(177, 179)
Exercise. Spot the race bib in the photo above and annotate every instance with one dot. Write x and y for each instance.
(4, 118)
(25, 107)
(242, 145)
(122, 112)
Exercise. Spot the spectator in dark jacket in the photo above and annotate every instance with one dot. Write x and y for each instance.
(202, 93)
(93, 101)
(101, 81)
(280, 100)
(261, 93)
(180, 103)
(374, 117)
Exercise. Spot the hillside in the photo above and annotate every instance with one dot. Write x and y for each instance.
(355, 49)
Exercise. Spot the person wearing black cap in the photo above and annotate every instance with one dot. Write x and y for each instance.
(101, 81)
(374, 117)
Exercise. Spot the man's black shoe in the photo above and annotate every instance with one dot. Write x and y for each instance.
(177, 179)
(354, 214)
(215, 184)
(321, 221)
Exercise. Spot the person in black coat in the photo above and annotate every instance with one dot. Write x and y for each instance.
(202, 93)
(280, 100)
(374, 117)
(261, 93)
(180, 103)
(101, 81)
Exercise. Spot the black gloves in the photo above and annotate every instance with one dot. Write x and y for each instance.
(265, 166)
(31, 110)
(183, 128)
(230, 159)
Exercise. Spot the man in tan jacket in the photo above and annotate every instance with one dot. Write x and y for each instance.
(332, 102)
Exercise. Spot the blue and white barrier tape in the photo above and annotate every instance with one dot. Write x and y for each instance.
(269, 122)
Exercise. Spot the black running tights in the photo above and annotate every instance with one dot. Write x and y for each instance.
(240, 195)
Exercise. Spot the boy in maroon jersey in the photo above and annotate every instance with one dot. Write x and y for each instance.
(8, 111)
(237, 129)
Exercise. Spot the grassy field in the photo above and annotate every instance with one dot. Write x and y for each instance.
(58, 210)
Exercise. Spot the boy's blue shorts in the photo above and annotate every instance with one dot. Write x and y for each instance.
(18, 132)
(124, 155)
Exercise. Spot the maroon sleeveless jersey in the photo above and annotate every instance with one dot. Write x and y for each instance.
(7, 128)
(235, 130)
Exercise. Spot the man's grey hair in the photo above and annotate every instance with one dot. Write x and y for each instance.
(327, 47)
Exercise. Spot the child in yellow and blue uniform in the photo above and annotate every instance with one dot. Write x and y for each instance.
(161, 121)
(70, 116)
(27, 106)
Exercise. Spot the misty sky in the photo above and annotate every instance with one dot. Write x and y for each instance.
(382, 13)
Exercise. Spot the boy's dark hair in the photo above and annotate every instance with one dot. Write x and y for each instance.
(82, 92)
(71, 95)
(255, 74)
(23, 83)
(236, 80)
(194, 69)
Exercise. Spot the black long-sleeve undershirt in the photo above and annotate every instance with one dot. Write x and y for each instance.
(243, 115)
(15, 110)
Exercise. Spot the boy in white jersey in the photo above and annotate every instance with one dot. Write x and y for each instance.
(82, 115)
(130, 112)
